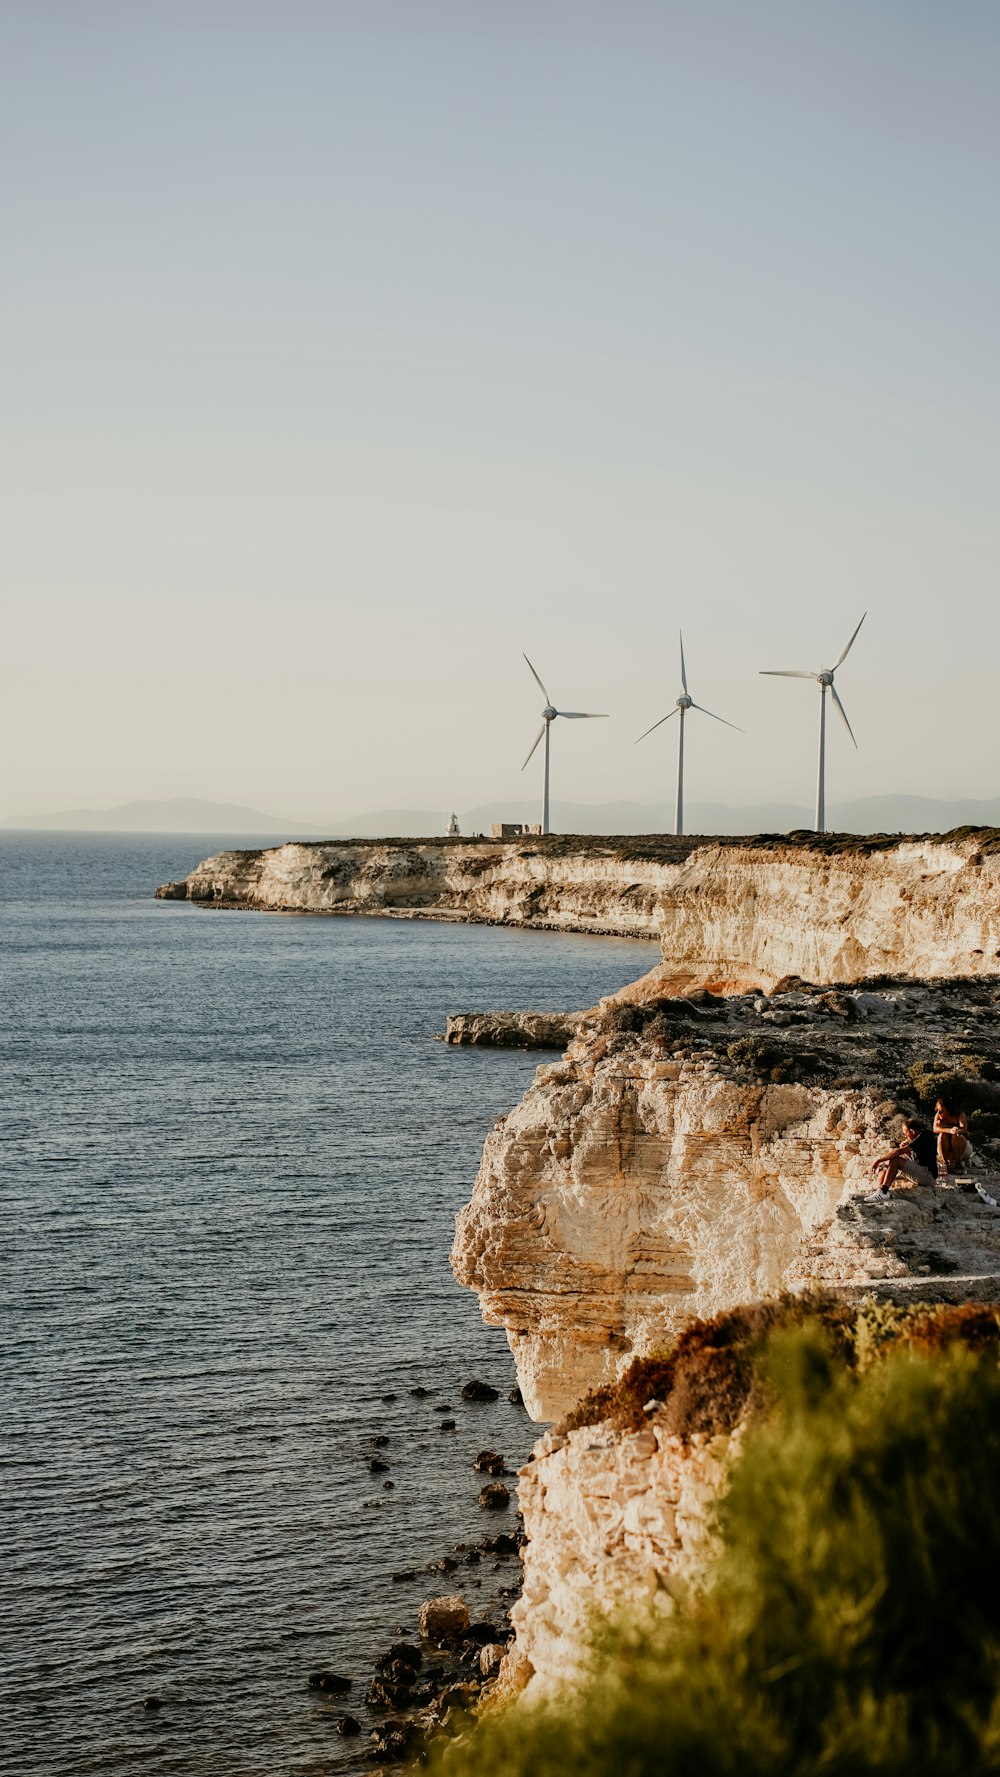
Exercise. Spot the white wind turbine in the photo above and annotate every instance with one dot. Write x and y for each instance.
(549, 715)
(684, 703)
(825, 682)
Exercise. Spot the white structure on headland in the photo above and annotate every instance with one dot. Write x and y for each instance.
(515, 829)
(549, 715)
(683, 704)
(453, 827)
(824, 680)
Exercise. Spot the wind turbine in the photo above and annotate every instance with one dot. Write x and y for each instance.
(684, 703)
(549, 715)
(825, 682)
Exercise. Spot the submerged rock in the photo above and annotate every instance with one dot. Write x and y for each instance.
(328, 1681)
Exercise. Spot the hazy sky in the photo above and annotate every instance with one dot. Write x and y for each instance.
(348, 349)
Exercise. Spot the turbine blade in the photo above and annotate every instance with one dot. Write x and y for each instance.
(836, 699)
(776, 673)
(845, 652)
(534, 744)
(715, 718)
(684, 677)
(538, 682)
(584, 715)
(659, 724)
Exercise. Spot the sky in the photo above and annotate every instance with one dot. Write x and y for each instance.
(348, 351)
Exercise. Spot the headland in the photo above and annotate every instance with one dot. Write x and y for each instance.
(697, 1159)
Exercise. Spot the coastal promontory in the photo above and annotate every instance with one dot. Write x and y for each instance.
(732, 913)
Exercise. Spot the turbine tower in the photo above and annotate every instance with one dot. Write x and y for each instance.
(684, 703)
(549, 715)
(825, 682)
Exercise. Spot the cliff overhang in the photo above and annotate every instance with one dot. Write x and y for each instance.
(687, 1155)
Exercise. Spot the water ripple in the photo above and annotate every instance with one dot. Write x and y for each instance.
(231, 1156)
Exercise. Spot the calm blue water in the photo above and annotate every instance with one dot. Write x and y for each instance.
(231, 1159)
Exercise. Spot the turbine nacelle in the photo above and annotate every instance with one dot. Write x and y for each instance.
(825, 678)
(685, 703)
(549, 714)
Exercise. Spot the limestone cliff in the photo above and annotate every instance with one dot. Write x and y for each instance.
(737, 912)
(685, 1157)
(614, 1519)
(618, 1501)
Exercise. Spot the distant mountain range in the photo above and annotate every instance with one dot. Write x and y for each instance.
(190, 814)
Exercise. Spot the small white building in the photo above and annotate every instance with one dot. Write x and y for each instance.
(515, 829)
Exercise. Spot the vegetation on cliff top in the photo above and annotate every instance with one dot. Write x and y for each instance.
(850, 1621)
(666, 848)
(713, 1374)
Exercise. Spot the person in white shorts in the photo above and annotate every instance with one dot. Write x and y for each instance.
(916, 1158)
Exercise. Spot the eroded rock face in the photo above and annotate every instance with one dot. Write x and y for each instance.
(614, 1521)
(718, 1155)
(619, 1500)
(742, 913)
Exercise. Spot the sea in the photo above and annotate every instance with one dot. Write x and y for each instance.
(232, 1153)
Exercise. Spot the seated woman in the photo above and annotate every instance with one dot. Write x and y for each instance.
(950, 1126)
(915, 1157)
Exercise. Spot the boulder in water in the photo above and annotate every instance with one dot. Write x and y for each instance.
(444, 1619)
(480, 1391)
(494, 1497)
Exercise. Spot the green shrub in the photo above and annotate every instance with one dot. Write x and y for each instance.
(851, 1620)
(968, 1083)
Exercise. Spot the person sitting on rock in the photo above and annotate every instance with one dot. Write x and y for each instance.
(950, 1126)
(915, 1157)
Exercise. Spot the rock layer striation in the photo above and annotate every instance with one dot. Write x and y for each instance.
(685, 1157)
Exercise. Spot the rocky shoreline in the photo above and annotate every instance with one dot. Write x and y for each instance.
(445, 1644)
(702, 1144)
(447, 1663)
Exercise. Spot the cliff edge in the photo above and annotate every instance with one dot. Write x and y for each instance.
(734, 912)
(686, 1156)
